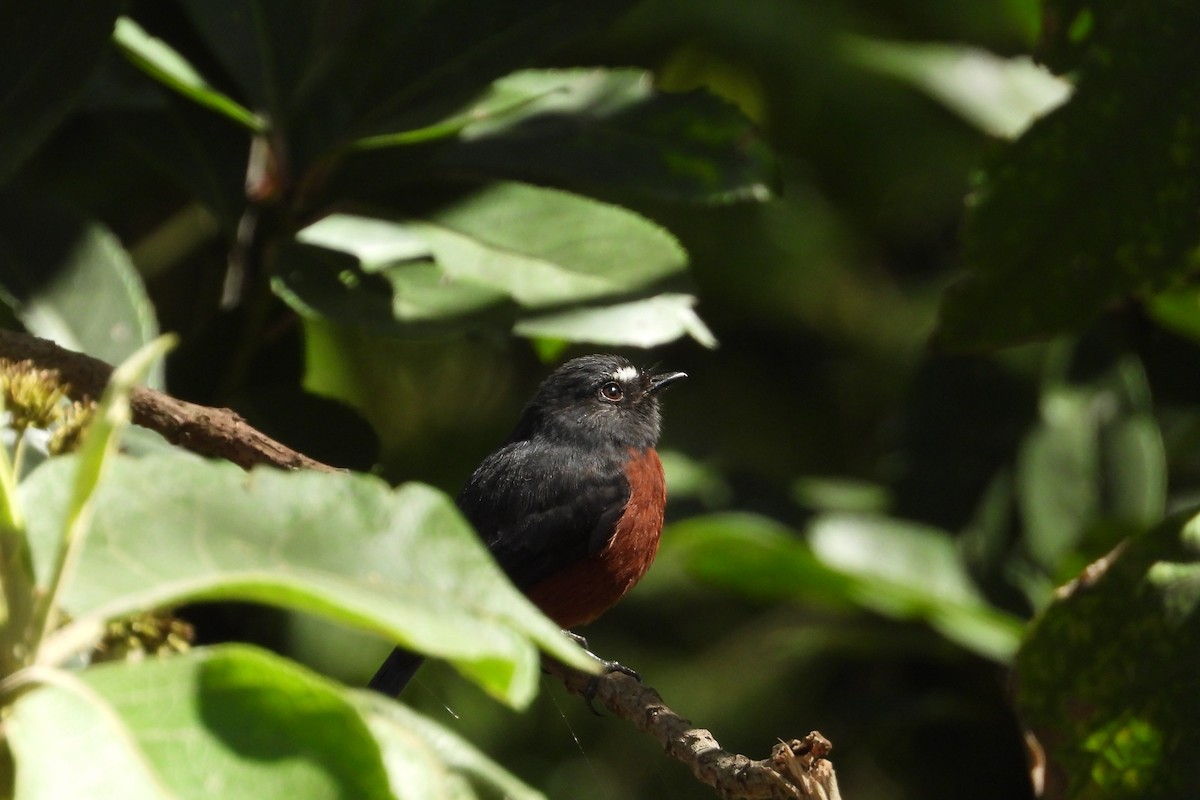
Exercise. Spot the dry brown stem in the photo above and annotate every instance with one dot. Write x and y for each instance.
(795, 769)
(213, 432)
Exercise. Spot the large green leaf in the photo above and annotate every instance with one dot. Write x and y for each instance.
(47, 51)
(70, 280)
(1106, 674)
(891, 567)
(428, 762)
(611, 130)
(546, 248)
(51, 727)
(224, 722)
(1097, 200)
(561, 265)
(401, 563)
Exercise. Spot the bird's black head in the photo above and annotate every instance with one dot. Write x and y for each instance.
(597, 400)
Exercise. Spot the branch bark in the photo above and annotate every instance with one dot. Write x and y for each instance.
(213, 432)
(796, 769)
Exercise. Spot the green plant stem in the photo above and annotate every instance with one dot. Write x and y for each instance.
(18, 455)
(16, 571)
(99, 447)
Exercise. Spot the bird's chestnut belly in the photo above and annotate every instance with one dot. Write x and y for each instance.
(583, 591)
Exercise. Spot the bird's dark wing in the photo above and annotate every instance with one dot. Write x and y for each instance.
(540, 508)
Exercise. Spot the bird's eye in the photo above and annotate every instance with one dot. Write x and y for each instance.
(611, 392)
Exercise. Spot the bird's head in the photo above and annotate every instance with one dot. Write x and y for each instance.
(597, 400)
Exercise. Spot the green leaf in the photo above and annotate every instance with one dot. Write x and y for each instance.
(899, 569)
(611, 130)
(160, 61)
(1058, 476)
(640, 323)
(1096, 201)
(907, 570)
(70, 280)
(545, 248)
(229, 721)
(754, 555)
(1001, 96)
(1094, 469)
(1136, 469)
(507, 250)
(404, 297)
(374, 242)
(403, 563)
(1102, 670)
(51, 726)
(47, 51)
(427, 761)
(1178, 310)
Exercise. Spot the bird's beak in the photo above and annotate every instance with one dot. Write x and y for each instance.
(658, 382)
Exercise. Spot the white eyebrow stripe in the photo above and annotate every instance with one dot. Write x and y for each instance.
(625, 374)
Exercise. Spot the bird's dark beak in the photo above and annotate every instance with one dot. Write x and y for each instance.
(658, 382)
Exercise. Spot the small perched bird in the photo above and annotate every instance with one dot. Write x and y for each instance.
(571, 506)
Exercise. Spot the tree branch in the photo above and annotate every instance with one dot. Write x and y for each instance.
(215, 432)
(796, 769)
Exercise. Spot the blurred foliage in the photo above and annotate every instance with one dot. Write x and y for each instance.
(372, 226)
(1100, 668)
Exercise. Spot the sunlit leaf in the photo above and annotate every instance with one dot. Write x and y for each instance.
(885, 565)
(545, 247)
(426, 760)
(560, 266)
(403, 563)
(251, 723)
(640, 323)
(50, 727)
(1002, 96)
(374, 242)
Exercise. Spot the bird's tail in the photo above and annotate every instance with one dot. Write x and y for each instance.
(395, 673)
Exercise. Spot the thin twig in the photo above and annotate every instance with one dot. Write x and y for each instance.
(795, 769)
(213, 432)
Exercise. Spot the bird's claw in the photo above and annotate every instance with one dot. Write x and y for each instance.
(606, 668)
(609, 667)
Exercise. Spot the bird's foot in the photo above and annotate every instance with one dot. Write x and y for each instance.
(606, 668)
(609, 667)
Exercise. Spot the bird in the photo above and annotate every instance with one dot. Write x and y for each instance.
(571, 505)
